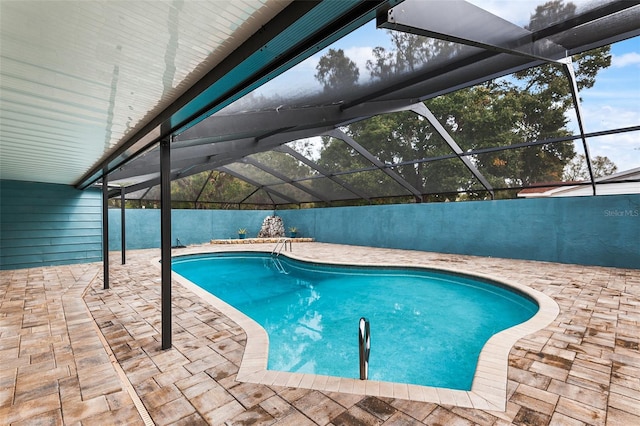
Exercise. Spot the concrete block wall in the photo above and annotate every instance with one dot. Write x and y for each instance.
(45, 224)
(603, 230)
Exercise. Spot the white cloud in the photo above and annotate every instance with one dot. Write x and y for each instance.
(623, 148)
(360, 55)
(606, 117)
(518, 12)
(310, 63)
(631, 58)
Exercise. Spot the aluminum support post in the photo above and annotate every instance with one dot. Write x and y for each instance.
(165, 240)
(105, 229)
(421, 109)
(567, 65)
(339, 134)
(465, 23)
(123, 227)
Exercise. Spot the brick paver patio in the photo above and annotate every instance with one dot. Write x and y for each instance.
(73, 353)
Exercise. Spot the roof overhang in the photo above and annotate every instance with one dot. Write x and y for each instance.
(98, 84)
(86, 86)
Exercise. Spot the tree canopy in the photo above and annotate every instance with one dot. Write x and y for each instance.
(335, 71)
(511, 129)
(530, 106)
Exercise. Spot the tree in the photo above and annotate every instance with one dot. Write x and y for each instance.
(211, 189)
(577, 170)
(410, 52)
(500, 114)
(587, 64)
(531, 107)
(336, 72)
(528, 107)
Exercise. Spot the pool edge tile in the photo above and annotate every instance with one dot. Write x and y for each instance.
(400, 390)
(385, 389)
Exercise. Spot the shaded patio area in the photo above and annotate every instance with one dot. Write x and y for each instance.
(582, 369)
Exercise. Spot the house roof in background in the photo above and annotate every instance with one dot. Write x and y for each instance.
(624, 182)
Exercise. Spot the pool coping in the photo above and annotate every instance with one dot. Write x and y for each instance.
(489, 386)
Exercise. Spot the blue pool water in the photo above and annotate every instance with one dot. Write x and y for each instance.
(427, 327)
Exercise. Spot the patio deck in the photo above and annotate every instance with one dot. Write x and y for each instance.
(71, 352)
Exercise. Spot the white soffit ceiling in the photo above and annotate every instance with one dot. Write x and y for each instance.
(77, 77)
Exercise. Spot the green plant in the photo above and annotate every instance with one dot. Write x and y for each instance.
(293, 229)
(242, 231)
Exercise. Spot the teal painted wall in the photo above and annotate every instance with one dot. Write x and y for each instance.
(45, 224)
(603, 230)
(189, 226)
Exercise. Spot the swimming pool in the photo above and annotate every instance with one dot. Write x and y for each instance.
(427, 327)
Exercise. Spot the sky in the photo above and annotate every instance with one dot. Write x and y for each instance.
(613, 102)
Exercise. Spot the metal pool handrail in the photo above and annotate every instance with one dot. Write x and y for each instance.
(364, 344)
(281, 244)
(279, 266)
